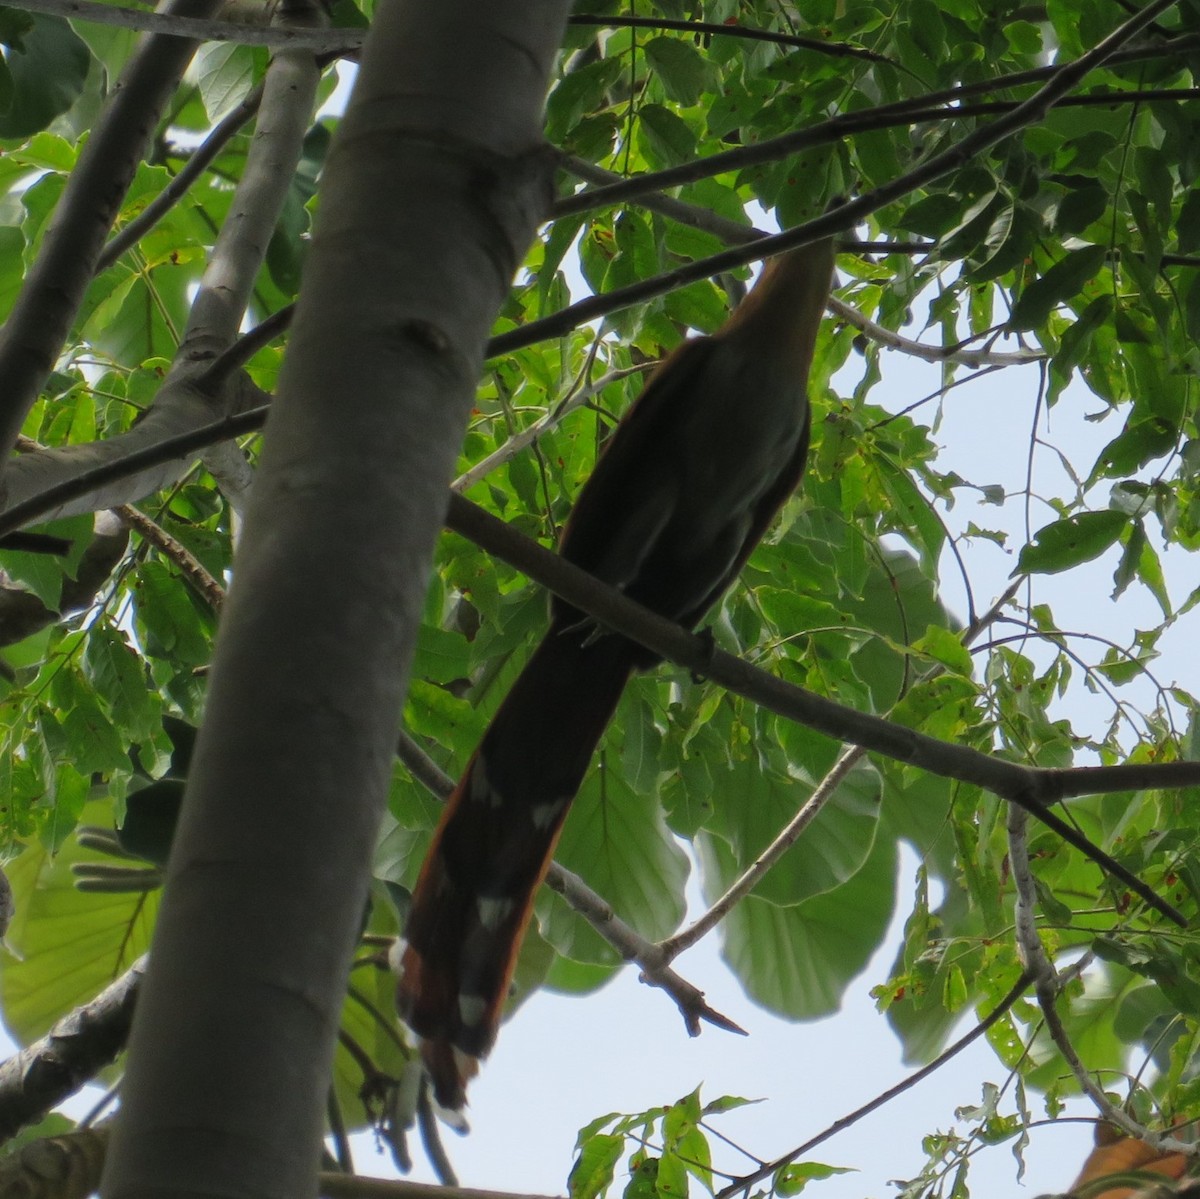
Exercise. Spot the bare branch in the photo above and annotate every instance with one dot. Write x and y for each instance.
(431, 1138)
(825, 790)
(171, 431)
(626, 940)
(717, 29)
(170, 547)
(150, 456)
(672, 947)
(742, 1184)
(78, 1047)
(957, 355)
(289, 92)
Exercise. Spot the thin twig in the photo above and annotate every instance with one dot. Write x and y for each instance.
(733, 233)
(189, 565)
(176, 188)
(926, 109)
(743, 1184)
(632, 946)
(1047, 987)
(951, 355)
(717, 29)
(672, 947)
(518, 441)
(181, 445)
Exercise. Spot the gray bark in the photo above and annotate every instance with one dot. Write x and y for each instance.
(433, 190)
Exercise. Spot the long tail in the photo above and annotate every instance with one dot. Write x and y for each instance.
(493, 847)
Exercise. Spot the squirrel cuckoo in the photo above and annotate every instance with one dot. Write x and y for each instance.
(681, 494)
(1117, 1154)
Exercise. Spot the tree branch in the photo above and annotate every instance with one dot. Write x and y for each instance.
(575, 398)
(926, 109)
(735, 30)
(40, 1076)
(1031, 787)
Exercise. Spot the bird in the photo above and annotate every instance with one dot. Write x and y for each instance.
(680, 495)
(1123, 1158)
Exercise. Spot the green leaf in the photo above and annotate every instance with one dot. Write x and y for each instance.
(1187, 229)
(1127, 567)
(666, 140)
(917, 518)
(115, 671)
(680, 67)
(167, 617)
(791, 1180)
(946, 647)
(643, 1179)
(797, 961)
(46, 74)
(1066, 543)
(579, 92)
(1141, 441)
(1060, 283)
(367, 1027)
(1079, 208)
(592, 1173)
(69, 945)
(225, 73)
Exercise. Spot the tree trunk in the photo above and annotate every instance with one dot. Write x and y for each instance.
(432, 192)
